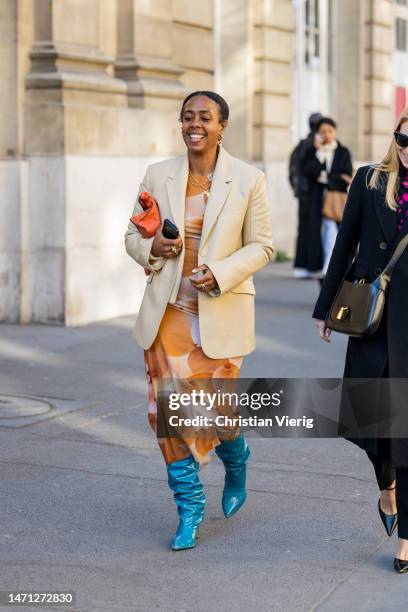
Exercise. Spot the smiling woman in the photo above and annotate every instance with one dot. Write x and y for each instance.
(196, 320)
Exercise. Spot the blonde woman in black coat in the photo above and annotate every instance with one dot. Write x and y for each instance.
(375, 220)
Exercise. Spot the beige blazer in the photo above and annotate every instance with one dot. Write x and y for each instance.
(236, 241)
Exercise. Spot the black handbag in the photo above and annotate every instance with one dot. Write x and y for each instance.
(358, 306)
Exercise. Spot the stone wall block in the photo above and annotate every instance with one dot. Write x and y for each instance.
(193, 47)
(273, 44)
(185, 11)
(272, 109)
(380, 91)
(379, 38)
(273, 77)
(274, 13)
(383, 12)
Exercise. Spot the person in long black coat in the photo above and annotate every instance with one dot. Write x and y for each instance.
(374, 222)
(302, 190)
(330, 172)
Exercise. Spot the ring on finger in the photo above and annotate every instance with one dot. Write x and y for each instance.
(174, 249)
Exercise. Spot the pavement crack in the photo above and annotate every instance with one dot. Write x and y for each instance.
(308, 471)
(349, 575)
(151, 479)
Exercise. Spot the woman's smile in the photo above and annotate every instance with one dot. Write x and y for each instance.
(196, 138)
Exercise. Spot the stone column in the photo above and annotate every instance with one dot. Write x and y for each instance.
(273, 23)
(193, 42)
(8, 67)
(378, 65)
(101, 103)
(234, 71)
(71, 94)
(145, 54)
(9, 171)
(348, 69)
(254, 43)
(363, 41)
(69, 67)
(15, 40)
(273, 51)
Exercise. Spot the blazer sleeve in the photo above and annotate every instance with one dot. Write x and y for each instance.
(257, 249)
(137, 247)
(345, 246)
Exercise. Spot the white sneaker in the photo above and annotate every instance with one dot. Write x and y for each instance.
(301, 273)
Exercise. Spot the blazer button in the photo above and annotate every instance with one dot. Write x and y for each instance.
(383, 246)
(378, 271)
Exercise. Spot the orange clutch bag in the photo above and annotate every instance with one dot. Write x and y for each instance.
(148, 221)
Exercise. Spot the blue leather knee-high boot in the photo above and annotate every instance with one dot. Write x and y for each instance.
(234, 455)
(190, 500)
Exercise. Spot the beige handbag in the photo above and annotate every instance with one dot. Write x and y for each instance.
(333, 205)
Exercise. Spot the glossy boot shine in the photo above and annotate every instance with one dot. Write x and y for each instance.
(190, 500)
(234, 455)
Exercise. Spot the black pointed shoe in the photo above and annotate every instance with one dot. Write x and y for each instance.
(401, 566)
(390, 521)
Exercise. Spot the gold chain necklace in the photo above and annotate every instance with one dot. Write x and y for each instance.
(206, 186)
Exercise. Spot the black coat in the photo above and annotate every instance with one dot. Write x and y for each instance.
(299, 182)
(311, 167)
(370, 226)
(302, 186)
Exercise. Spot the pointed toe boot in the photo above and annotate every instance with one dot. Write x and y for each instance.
(190, 501)
(234, 455)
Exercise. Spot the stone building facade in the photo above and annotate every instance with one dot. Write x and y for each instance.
(90, 95)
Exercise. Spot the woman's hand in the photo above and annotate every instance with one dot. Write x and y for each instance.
(165, 247)
(203, 282)
(346, 178)
(324, 331)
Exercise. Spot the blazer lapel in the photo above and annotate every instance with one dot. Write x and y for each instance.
(220, 188)
(176, 191)
(387, 218)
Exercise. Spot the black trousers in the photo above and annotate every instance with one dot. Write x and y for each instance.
(386, 474)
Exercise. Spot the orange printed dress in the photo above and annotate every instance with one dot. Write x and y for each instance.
(176, 360)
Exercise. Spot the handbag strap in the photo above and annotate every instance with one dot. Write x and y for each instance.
(389, 268)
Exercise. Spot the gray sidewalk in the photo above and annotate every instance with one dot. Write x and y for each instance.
(84, 499)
